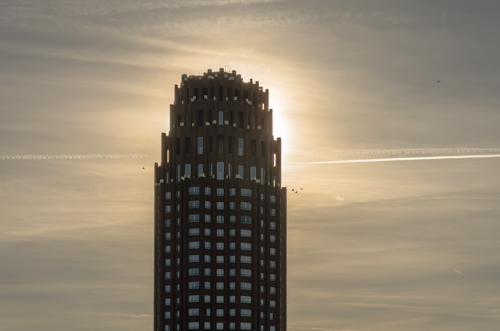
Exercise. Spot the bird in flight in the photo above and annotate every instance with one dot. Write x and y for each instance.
(438, 81)
(142, 168)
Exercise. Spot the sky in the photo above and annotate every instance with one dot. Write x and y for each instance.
(373, 246)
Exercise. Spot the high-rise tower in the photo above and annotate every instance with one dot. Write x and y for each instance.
(220, 210)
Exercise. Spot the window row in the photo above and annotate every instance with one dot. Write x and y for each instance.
(219, 326)
(244, 192)
(220, 273)
(220, 286)
(220, 146)
(223, 171)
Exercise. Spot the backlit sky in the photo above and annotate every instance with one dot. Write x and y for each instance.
(392, 246)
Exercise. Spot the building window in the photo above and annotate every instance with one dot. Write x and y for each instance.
(245, 299)
(168, 222)
(246, 192)
(194, 218)
(220, 272)
(168, 262)
(194, 245)
(232, 299)
(232, 286)
(207, 245)
(232, 192)
(200, 170)
(194, 190)
(220, 219)
(220, 286)
(232, 246)
(221, 118)
(220, 192)
(194, 232)
(246, 312)
(245, 326)
(272, 251)
(168, 275)
(220, 312)
(272, 264)
(220, 299)
(220, 170)
(246, 286)
(232, 325)
(220, 326)
(232, 205)
(246, 219)
(272, 277)
(220, 232)
(168, 236)
(272, 238)
(167, 302)
(208, 191)
(232, 272)
(194, 298)
(194, 312)
(208, 218)
(220, 246)
(220, 144)
(232, 232)
(194, 325)
(194, 204)
(253, 173)
(246, 273)
(207, 258)
(207, 298)
(272, 290)
(246, 246)
(167, 315)
(194, 258)
(246, 259)
(220, 205)
(272, 303)
(262, 176)
(246, 233)
(168, 195)
(207, 232)
(240, 171)
(207, 271)
(168, 209)
(168, 249)
(200, 145)
(208, 204)
(194, 286)
(272, 198)
(272, 212)
(246, 206)
(240, 147)
(194, 272)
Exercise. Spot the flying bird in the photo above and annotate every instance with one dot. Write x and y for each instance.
(301, 188)
(438, 81)
(292, 189)
(142, 168)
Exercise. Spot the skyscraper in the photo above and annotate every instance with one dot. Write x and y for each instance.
(220, 210)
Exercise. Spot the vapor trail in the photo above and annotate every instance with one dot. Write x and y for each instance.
(421, 158)
(75, 157)
(407, 151)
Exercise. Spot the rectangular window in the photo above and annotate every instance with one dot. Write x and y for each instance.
(220, 259)
(194, 272)
(220, 246)
(220, 299)
(244, 233)
(208, 204)
(208, 191)
(220, 232)
(246, 219)
(272, 212)
(168, 195)
(194, 245)
(232, 205)
(168, 209)
(245, 192)
(246, 299)
(221, 118)
(188, 145)
(200, 117)
(246, 246)
(246, 259)
(194, 286)
(240, 147)
(207, 272)
(194, 258)
(246, 286)
(220, 272)
(232, 192)
(230, 145)
(194, 232)
(272, 251)
(246, 206)
(193, 204)
(220, 205)
(194, 312)
(240, 171)
(246, 312)
(207, 232)
(207, 260)
(220, 312)
(200, 145)
(207, 245)
(208, 218)
(207, 298)
(262, 176)
(272, 198)
(194, 218)
(272, 225)
(272, 238)
(220, 143)
(241, 120)
(253, 173)
(246, 273)
(253, 148)
(220, 219)
(220, 192)
(168, 249)
(194, 190)
(272, 264)
(200, 170)
(232, 232)
(220, 170)
(194, 298)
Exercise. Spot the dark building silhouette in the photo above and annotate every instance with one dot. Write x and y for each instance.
(220, 210)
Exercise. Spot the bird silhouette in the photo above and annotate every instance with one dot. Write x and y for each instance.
(438, 81)
(292, 189)
(301, 188)
(142, 168)
(296, 191)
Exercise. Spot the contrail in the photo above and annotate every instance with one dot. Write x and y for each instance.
(75, 157)
(457, 271)
(407, 151)
(422, 158)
